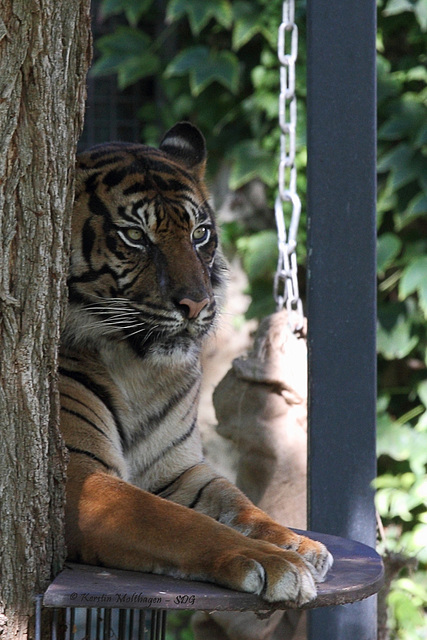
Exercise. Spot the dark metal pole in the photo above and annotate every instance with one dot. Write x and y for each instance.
(341, 287)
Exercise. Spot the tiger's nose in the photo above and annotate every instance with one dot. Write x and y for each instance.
(192, 308)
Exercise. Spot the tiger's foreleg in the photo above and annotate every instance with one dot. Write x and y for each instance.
(113, 523)
(201, 489)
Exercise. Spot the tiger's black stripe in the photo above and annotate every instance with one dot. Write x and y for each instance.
(91, 181)
(171, 445)
(101, 150)
(106, 161)
(89, 422)
(199, 494)
(151, 422)
(196, 395)
(100, 392)
(129, 286)
(164, 488)
(82, 404)
(137, 187)
(92, 456)
(88, 240)
(97, 207)
(115, 176)
(91, 275)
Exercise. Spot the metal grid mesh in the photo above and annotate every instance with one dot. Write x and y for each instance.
(110, 114)
(104, 624)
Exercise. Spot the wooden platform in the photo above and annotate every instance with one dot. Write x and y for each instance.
(356, 574)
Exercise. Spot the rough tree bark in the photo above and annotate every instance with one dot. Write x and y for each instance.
(44, 56)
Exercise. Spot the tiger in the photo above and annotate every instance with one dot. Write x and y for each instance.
(145, 287)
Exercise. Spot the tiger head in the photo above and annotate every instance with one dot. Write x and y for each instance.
(145, 265)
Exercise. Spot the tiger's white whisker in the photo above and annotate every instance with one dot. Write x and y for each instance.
(111, 309)
(139, 330)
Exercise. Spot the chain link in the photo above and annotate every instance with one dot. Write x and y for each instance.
(286, 290)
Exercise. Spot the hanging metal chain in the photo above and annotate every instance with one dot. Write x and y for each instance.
(286, 290)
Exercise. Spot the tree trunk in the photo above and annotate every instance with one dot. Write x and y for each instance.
(44, 56)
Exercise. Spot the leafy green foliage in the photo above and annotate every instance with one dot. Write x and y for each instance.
(248, 23)
(213, 62)
(259, 256)
(389, 247)
(414, 280)
(133, 9)
(205, 66)
(406, 603)
(127, 53)
(200, 13)
(251, 161)
(178, 627)
(402, 301)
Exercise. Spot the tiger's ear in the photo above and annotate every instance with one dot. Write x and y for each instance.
(186, 145)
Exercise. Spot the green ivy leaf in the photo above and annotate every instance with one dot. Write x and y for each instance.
(137, 67)
(402, 153)
(405, 609)
(259, 252)
(199, 13)
(387, 199)
(247, 23)
(421, 137)
(133, 9)
(127, 53)
(414, 542)
(404, 163)
(107, 64)
(262, 300)
(112, 7)
(394, 335)
(416, 207)
(413, 277)
(423, 181)
(124, 42)
(408, 117)
(397, 6)
(418, 73)
(422, 296)
(388, 84)
(249, 162)
(420, 10)
(204, 67)
(393, 129)
(422, 392)
(389, 246)
(394, 502)
(402, 442)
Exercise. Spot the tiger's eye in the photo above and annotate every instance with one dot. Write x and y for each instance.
(134, 234)
(201, 234)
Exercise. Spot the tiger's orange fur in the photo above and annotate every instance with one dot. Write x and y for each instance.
(146, 278)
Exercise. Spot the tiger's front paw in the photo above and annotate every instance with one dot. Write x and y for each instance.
(273, 574)
(317, 557)
(314, 553)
